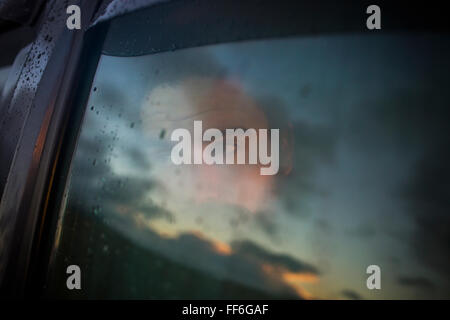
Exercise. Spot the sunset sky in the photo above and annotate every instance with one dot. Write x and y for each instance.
(362, 150)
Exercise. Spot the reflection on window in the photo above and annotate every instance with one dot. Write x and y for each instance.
(355, 114)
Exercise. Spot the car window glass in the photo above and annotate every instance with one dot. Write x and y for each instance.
(356, 116)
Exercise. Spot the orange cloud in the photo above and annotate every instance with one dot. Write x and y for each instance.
(218, 246)
(292, 279)
(222, 248)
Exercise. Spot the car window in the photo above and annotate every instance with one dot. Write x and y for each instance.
(361, 133)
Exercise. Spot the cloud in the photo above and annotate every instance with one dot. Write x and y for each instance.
(243, 262)
(323, 226)
(267, 223)
(351, 294)
(363, 231)
(138, 159)
(95, 188)
(98, 191)
(412, 125)
(428, 193)
(313, 146)
(284, 261)
(421, 283)
(423, 120)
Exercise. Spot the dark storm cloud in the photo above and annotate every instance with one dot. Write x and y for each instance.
(258, 253)
(415, 117)
(428, 193)
(350, 294)
(151, 209)
(421, 283)
(245, 263)
(413, 121)
(418, 120)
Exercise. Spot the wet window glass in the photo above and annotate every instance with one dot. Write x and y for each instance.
(362, 180)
